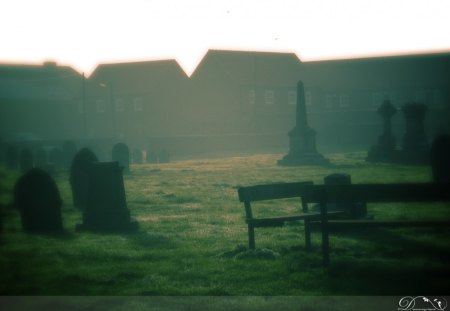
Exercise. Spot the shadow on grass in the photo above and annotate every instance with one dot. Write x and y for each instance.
(149, 239)
(397, 264)
(378, 277)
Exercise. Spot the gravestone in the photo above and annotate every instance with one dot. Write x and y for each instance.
(25, 160)
(137, 156)
(352, 210)
(106, 209)
(12, 157)
(415, 148)
(152, 157)
(69, 150)
(56, 158)
(384, 151)
(79, 180)
(121, 154)
(164, 156)
(37, 198)
(302, 138)
(440, 159)
(41, 158)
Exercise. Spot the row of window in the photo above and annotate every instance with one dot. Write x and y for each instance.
(343, 101)
(269, 97)
(332, 100)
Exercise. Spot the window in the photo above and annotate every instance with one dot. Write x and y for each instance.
(119, 105)
(292, 98)
(331, 101)
(138, 104)
(269, 97)
(251, 97)
(100, 105)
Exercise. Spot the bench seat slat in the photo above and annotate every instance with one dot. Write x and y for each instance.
(380, 193)
(350, 225)
(280, 220)
(271, 191)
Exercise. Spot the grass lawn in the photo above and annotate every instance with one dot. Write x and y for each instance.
(192, 239)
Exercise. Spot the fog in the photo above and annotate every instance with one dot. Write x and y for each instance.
(235, 102)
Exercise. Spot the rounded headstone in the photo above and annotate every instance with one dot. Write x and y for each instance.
(352, 209)
(79, 176)
(338, 179)
(37, 198)
(106, 208)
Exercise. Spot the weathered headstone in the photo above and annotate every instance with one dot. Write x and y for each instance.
(352, 210)
(152, 157)
(302, 138)
(385, 150)
(106, 209)
(440, 159)
(79, 179)
(415, 148)
(12, 157)
(121, 154)
(137, 156)
(69, 150)
(26, 160)
(164, 156)
(37, 198)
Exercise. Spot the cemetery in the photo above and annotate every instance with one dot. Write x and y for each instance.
(350, 222)
(186, 232)
(279, 198)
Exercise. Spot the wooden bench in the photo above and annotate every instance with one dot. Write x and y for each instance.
(376, 193)
(247, 195)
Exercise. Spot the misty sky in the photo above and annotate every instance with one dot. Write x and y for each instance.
(82, 33)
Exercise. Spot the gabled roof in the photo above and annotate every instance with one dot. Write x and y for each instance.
(136, 74)
(239, 66)
(39, 82)
(380, 72)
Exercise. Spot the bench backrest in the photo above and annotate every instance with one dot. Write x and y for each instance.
(272, 191)
(398, 192)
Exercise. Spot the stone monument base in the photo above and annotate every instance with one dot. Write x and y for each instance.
(303, 159)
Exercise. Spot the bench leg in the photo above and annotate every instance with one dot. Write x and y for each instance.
(325, 233)
(251, 237)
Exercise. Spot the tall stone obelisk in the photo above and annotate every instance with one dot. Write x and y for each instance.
(302, 138)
